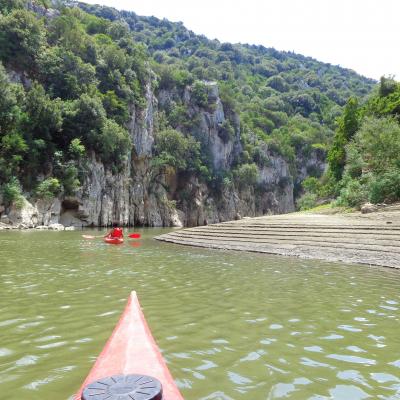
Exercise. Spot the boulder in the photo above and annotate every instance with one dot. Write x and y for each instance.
(5, 220)
(176, 219)
(48, 211)
(368, 208)
(25, 215)
(56, 227)
(23, 226)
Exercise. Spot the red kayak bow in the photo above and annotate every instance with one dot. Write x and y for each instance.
(131, 354)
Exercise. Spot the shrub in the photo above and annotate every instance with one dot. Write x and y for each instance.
(70, 179)
(348, 125)
(22, 38)
(173, 149)
(307, 201)
(49, 188)
(114, 142)
(200, 94)
(76, 148)
(353, 194)
(311, 185)
(178, 115)
(247, 175)
(226, 131)
(378, 144)
(12, 193)
(385, 187)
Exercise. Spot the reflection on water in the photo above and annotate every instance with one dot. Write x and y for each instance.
(230, 325)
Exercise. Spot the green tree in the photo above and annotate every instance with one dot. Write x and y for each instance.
(83, 118)
(172, 148)
(10, 112)
(22, 38)
(200, 93)
(12, 193)
(348, 125)
(76, 149)
(378, 144)
(48, 188)
(44, 115)
(113, 143)
(7, 6)
(247, 175)
(64, 74)
(175, 150)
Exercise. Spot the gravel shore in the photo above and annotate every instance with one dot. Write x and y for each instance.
(372, 239)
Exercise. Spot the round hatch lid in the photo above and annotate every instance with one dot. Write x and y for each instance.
(124, 387)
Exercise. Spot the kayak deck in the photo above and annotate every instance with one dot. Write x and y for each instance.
(131, 349)
(114, 240)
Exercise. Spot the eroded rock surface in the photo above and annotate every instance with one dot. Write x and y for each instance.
(133, 197)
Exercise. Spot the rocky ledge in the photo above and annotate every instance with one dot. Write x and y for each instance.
(51, 227)
(372, 239)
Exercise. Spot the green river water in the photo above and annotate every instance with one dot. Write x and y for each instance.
(231, 325)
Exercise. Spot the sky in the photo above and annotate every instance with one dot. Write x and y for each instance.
(363, 35)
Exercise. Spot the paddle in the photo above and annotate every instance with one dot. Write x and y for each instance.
(91, 237)
(131, 235)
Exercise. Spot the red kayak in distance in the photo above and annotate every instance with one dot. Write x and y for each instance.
(111, 240)
(130, 357)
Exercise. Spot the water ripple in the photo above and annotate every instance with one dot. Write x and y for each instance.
(230, 325)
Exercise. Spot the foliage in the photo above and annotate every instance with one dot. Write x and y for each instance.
(67, 173)
(22, 37)
(12, 193)
(175, 150)
(7, 6)
(312, 185)
(76, 148)
(377, 143)
(200, 94)
(113, 143)
(372, 155)
(86, 73)
(385, 187)
(353, 192)
(246, 175)
(347, 127)
(307, 201)
(48, 188)
(226, 131)
(64, 74)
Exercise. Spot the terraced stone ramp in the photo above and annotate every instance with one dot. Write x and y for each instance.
(372, 239)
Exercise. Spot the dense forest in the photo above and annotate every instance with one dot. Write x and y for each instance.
(364, 159)
(72, 75)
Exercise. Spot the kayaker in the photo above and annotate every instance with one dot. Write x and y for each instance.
(115, 233)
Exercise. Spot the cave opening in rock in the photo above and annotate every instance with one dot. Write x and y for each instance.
(70, 214)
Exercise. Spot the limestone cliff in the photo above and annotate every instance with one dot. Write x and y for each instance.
(132, 197)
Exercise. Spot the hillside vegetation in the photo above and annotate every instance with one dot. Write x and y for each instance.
(71, 78)
(364, 159)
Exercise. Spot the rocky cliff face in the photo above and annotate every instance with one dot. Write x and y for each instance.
(132, 197)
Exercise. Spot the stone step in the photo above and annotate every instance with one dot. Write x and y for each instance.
(344, 237)
(295, 232)
(299, 241)
(329, 254)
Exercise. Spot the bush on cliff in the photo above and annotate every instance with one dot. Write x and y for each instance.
(48, 188)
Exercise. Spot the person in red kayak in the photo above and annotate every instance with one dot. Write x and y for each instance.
(115, 233)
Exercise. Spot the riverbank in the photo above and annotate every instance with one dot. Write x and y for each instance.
(50, 227)
(372, 239)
